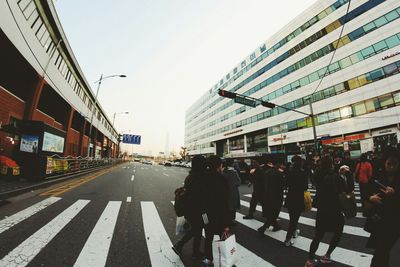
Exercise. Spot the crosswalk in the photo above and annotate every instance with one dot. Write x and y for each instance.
(157, 230)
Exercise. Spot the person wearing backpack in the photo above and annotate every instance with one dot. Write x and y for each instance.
(363, 174)
(329, 217)
(217, 214)
(195, 191)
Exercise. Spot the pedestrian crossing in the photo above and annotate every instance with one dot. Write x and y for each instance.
(158, 235)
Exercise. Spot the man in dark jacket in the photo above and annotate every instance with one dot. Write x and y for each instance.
(233, 181)
(273, 197)
(257, 175)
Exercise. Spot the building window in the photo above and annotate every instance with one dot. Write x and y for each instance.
(243, 64)
(359, 109)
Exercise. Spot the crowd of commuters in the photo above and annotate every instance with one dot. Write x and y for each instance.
(212, 187)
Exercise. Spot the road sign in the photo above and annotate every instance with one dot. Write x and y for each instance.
(131, 139)
(245, 101)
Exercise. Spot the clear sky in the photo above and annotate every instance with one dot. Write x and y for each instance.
(172, 51)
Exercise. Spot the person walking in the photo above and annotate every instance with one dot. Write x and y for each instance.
(273, 197)
(257, 178)
(329, 211)
(386, 201)
(363, 174)
(234, 182)
(217, 214)
(196, 191)
(296, 184)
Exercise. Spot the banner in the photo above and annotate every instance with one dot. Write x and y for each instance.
(29, 143)
(53, 143)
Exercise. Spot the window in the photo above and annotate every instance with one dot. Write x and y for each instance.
(359, 109)
(381, 46)
(263, 48)
(367, 52)
(369, 27)
(345, 62)
(396, 97)
(391, 69)
(322, 118)
(339, 88)
(334, 115)
(346, 112)
(353, 83)
(376, 74)
(252, 56)
(392, 41)
(392, 15)
(370, 106)
(243, 64)
(380, 21)
(386, 101)
(235, 70)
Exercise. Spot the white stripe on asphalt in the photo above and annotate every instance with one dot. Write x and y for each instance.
(342, 255)
(132, 178)
(158, 243)
(165, 174)
(245, 256)
(351, 230)
(129, 199)
(95, 251)
(27, 250)
(16, 218)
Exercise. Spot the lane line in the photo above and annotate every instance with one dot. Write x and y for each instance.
(95, 251)
(342, 255)
(348, 229)
(165, 174)
(246, 257)
(18, 217)
(27, 250)
(132, 178)
(129, 199)
(158, 243)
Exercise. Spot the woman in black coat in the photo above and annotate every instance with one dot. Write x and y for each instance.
(195, 190)
(216, 205)
(297, 183)
(330, 217)
(386, 202)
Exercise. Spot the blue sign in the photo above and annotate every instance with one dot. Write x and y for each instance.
(131, 139)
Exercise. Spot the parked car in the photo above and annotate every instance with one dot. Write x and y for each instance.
(167, 164)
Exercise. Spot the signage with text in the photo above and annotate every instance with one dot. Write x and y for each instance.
(131, 139)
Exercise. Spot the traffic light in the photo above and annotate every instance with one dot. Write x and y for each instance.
(267, 104)
(227, 94)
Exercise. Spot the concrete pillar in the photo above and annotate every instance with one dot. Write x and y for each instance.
(33, 101)
(245, 143)
(68, 124)
(81, 136)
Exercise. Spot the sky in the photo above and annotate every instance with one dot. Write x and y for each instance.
(172, 52)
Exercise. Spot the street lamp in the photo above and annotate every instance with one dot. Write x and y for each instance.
(117, 113)
(95, 104)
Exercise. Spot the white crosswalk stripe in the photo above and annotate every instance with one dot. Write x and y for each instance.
(158, 243)
(27, 250)
(95, 251)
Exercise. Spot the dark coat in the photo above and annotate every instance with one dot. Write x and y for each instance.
(273, 196)
(216, 202)
(258, 180)
(196, 190)
(389, 211)
(329, 209)
(296, 184)
(233, 181)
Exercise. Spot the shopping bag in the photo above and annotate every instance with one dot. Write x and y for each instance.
(225, 252)
(182, 226)
(349, 206)
(307, 201)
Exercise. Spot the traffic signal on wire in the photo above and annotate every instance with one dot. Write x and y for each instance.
(267, 104)
(227, 94)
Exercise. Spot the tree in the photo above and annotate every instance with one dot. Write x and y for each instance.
(183, 152)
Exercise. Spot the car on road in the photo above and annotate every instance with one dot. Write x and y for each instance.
(167, 164)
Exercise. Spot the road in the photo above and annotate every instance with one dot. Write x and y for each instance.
(124, 217)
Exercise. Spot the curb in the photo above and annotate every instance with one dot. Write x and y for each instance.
(12, 193)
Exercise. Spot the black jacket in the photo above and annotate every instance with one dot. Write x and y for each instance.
(196, 190)
(296, 184)
(273, 196)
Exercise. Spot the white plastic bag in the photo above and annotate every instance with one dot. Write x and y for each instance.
(225, 252)
(182, 226)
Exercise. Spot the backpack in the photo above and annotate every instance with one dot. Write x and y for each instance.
(180, 201)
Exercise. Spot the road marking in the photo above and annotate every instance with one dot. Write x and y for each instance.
(132, 178)
(129, 199)
(351, 230)
(27, 250)
(342, 255)
(95, 251)
(16, 218)
(246, 257)
(158, 243)
(165, 174)
(67, 187)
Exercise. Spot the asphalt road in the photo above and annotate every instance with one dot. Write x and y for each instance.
(124, 217)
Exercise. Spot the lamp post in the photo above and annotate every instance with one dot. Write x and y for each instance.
(117, 113)
(95, 104)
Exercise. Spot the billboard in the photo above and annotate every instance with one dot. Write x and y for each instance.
(53, 143)
(29, 143)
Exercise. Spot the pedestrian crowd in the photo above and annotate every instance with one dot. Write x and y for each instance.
(212, 199)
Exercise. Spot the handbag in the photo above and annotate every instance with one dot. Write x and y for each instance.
(225, 252)
(307, 201)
